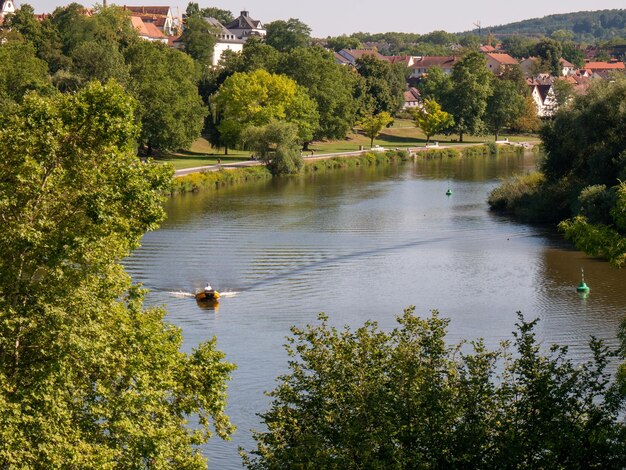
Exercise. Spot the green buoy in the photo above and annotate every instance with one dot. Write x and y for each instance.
(582, 287)
(449, 192)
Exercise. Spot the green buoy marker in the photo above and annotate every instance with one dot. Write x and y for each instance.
(449, 192)
(582, 287)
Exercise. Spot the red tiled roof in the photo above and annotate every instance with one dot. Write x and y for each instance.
(504, 59)
(605, 66)
(431, 61)
(412, 95)
(146, 29)
(566, 63)
(487, 49)
(154, 10)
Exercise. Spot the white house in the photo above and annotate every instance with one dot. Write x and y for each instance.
(544, 98)
(226, 41)
(412, 99)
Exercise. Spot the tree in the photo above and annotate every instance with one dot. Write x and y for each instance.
(88, 377)
(287, 35)
(366, 398)
(338, 43)
(277, 145)
(384, 84)
(165, 83)
(504, 106)
(199, 39)
(471, 87)
(431, 119)
(549, 51)
(223, 16)
(21, 70)
(256, 98)
(373, 124)
(528, 121)
(518, 46)
(99, 60)
(332, 86)
(437, 86)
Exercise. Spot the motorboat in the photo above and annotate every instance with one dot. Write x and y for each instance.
(207, 296)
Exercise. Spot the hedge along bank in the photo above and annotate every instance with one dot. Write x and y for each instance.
(211, 180)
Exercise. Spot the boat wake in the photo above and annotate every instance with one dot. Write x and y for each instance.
(228, 293)
(182, 295)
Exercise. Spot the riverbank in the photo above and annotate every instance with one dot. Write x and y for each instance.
(220, 175)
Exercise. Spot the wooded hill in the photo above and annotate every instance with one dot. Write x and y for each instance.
(587, 26)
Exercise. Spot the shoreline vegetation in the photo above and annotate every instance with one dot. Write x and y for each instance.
(216, 179)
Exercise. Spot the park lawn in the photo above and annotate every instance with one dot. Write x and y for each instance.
(201, 153)
(402, 134)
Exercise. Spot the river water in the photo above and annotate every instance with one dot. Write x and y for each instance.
(364, 244)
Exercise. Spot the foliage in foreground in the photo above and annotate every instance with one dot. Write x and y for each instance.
(88, 377)
(366, 398)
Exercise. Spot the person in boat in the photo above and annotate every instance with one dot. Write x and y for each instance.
(208, 289)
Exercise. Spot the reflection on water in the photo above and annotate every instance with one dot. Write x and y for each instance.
(364, 244)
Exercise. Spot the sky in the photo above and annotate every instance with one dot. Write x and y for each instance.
(336, 17)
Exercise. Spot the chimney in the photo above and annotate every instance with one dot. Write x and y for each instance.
(245, 13)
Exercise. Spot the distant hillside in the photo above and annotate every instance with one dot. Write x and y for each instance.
(589, 26)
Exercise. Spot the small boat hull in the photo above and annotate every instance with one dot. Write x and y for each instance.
(208, 296)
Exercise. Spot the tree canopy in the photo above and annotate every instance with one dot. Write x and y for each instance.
(287, 35)
(88, 377)
(258, 97)
(367, 398)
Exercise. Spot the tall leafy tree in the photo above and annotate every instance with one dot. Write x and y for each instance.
(165, 83)
(99, 60)
(88, 377)
(471, 87)
(384, 84)
(372, 125)
(256, 98)
(504, 106)
(431, 119)
(21, 70)
(199, 39)
(332, 86)
(549, 51)
(286, 35)
(366, 398)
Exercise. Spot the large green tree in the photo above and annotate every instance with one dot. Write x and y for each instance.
(99, 60)
(256, 98)
(471, 87)
(384, 84)
(504, 106)
(332, 86)
(165, 83)
(21, 70)
(287, 35)
(367, 398)
(199, 39)
(431, 119)
(373, 124)
(88, 377)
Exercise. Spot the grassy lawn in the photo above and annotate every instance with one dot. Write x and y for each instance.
(201, 153)
(402, 134)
